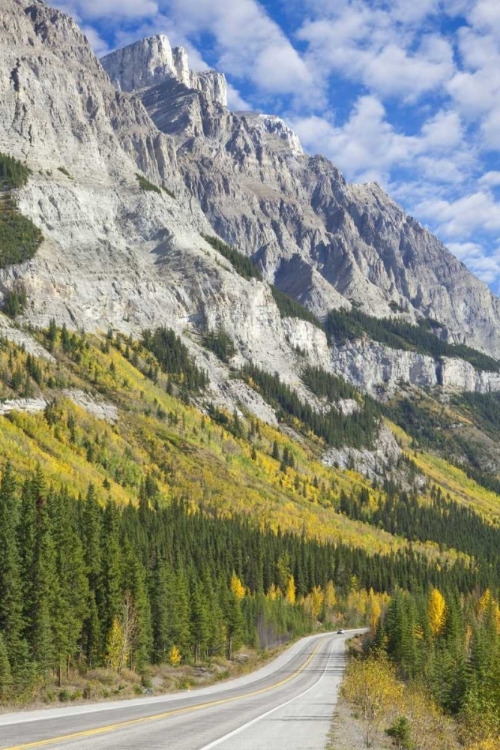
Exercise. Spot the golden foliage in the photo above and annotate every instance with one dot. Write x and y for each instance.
(291, 591)
(175, 656)
(436, 611)
(372, 687)
(237, 587)
(116, 647)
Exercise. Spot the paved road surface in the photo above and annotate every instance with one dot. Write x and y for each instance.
(286, 705)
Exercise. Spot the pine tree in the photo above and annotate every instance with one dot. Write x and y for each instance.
(179, 620)
(45, 585)
(11, 595)
(5, 672)
(200, 623)
(160, 613)
(142, 641)
(72, 593)
(110, 602)
(233, 620)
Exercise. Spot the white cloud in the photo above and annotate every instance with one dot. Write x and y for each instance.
(365, 147)
(460, 218)
(248, 43)
(235, 101)
(485, 15)
(112, 9)
(367, 44)
(490, 179)
(368, 145)
(97, 43)
(485, 267)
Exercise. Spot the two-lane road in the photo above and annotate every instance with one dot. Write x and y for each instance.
(286, 704)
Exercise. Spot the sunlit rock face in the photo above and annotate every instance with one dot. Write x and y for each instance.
(117, 255)
(324, 241)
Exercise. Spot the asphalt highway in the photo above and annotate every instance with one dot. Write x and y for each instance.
(286, 705)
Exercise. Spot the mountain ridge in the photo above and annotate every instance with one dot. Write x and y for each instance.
(336, 243)
(129, 254)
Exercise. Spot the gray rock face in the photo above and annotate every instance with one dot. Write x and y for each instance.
(95, 407)
(153, 61)
(379, 464)
(117, 256)
(325, 242)
(381, 371)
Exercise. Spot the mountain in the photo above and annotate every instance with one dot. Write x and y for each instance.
(320, 239)
(240, 399)
(131, 172)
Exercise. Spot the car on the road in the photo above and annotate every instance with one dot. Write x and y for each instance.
(340, 631)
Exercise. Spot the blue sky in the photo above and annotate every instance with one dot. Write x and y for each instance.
(404, 92)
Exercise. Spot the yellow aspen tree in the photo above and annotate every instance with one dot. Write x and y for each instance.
(485, 602)
(373, 609)
(330, 597)
(273, 592)
(116, 655)
(317, 599)
(372, 686)
(436, 609)
(237, 587)
(291, 590)
(175, 656)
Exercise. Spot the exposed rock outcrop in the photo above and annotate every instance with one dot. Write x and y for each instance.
(95, 407)
(118, 255)
(114, 254)
(381, 371)
(386, 461)
(154, 61)
(325, 242)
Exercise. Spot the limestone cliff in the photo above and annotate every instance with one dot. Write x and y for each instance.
(119, 255)
(324, 241)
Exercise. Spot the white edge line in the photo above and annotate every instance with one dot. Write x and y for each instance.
(30, 715)
(228, 736)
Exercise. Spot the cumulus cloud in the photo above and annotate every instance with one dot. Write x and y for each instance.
(490, 179)
(461, 217)
(247, 42)
(367, 43)
(368, 146)
(99, 45)
(111, 9)
(365, 147)
(485, 267)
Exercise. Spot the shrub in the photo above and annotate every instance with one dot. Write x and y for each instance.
(145, 184)
(14, 303)
(289, 307)
(65, 172)
(221, 344)
(240, 262)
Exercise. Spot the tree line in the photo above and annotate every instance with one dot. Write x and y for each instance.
(348, 325)
(358, 429)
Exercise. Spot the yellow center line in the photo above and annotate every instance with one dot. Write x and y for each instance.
(165, 715)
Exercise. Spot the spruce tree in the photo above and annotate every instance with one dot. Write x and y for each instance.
(5, 672)
(11, 594)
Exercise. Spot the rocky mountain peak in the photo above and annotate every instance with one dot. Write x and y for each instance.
(276, 127)
(153, 61)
